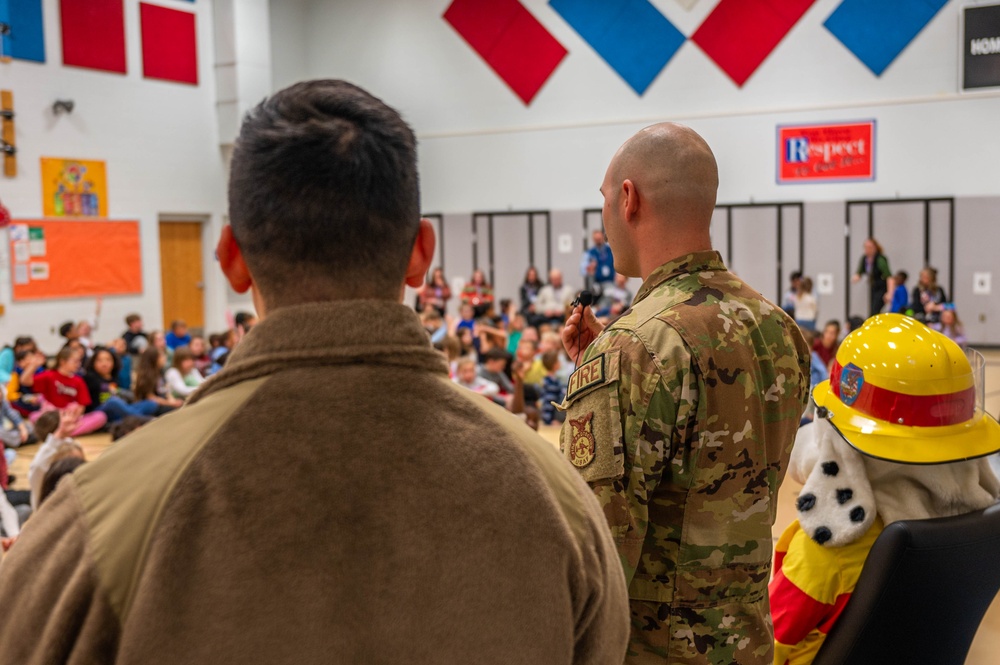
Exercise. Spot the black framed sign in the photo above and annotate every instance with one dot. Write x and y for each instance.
(981, 47)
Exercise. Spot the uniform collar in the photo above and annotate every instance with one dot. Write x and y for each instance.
(370, 332)
(687, 264)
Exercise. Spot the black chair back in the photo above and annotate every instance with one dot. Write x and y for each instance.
(922, 593)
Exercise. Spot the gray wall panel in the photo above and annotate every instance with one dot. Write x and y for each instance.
(509, 238)
(720, 234)
(824, 254)
(568, 222)
(976, 250)
(790, 236)
(859, 225)
(939, 250)
(457, 254)
(755, 249)
(899, 228)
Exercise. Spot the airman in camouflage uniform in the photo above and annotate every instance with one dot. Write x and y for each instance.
(681, 416)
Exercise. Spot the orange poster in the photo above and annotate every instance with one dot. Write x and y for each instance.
(74, 258)
(74, 188)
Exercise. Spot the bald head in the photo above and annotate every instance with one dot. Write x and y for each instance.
(674, 170)
(659, 195)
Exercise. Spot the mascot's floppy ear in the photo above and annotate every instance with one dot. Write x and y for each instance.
(836, 505)
(805, 452)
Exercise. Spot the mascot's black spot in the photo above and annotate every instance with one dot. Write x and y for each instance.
(806, 502)
(858, 514)
(831, 468)
(822, 535)
(844, 495)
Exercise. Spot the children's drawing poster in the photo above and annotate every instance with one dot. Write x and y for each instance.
(74, 188)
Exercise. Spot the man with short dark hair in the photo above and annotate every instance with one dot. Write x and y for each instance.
(412, 522)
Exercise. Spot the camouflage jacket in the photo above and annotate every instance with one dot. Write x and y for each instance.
(681, 416)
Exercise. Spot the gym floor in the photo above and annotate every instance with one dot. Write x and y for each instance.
(984, 648)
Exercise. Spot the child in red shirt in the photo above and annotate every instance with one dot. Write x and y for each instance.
(62, 387)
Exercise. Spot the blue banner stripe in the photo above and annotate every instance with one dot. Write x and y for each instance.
(632, 36)
(27, 36)
(877, 31)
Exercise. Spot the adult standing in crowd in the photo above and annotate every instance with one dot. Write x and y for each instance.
(683, 411)
(597, 265)
(419, 525)
(875, 267)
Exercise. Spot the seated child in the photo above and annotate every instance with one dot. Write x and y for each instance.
(950, 326)
(178, 336)
(55, 429)
(553, 389)
(63, 387)
(493, 369)
(9, 353)
(202, 360)
(102, 368)
(61, 467)
(434, 324)
(21, 430)
(519, 404)
(896, 293)
(21, 388)
(182, 378)
(127, 425)
(451, 349)
(467, 378)
(223, 344)
(535, 370)
(150, 384)
(848, 495)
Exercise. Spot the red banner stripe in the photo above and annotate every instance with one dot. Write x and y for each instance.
(909, 410)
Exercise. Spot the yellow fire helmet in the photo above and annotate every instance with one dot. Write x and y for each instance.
(902, 392)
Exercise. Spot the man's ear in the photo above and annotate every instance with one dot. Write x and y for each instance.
(231, 260)
(630, 200)
(421, 256)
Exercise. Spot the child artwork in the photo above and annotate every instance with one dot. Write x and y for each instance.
(74, 188)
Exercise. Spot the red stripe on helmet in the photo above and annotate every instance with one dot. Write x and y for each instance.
(910, 410)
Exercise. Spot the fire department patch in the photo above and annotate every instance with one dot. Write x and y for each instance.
(852, 380)
(583, 445)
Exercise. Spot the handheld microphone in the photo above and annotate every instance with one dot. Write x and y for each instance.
(585, 298)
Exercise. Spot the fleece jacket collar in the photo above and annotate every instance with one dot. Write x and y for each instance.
(370, 332)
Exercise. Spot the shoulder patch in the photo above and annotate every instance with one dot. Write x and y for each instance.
(583, 446)
(589, 374)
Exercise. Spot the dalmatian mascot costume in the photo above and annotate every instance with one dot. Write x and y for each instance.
(900, 433)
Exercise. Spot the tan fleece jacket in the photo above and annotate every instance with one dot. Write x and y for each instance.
(329, 497)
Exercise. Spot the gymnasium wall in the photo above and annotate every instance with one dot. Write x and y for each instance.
(161, 144)
(482, 148)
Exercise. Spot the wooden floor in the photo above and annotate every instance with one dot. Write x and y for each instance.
(984, 649)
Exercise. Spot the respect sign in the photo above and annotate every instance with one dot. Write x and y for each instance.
(841, 152)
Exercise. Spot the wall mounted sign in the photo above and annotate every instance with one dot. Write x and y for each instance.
(74, 188)
(825, 153)
(47, 261)
(981, 47)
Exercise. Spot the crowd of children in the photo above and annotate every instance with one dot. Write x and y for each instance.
(86, 388)
(503, 357)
